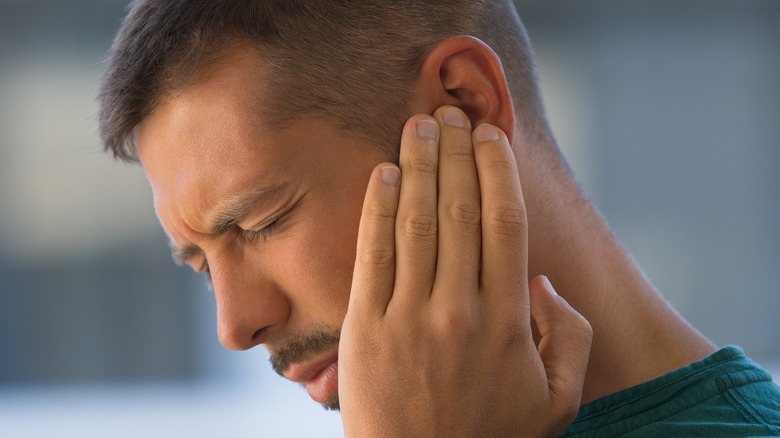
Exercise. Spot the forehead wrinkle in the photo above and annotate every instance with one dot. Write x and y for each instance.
(181, 252)
(228, 214)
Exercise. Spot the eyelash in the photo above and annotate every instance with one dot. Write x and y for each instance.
(263, 233)
(252, 237)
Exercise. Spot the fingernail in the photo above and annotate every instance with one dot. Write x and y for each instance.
(427, 129)
(391, 175)
(485, 132)
(548, 286)
(454, 117)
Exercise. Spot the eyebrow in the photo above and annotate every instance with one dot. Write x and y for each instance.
(227, 215)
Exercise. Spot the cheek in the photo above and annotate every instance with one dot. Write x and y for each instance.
(324, 257)
(322, 251)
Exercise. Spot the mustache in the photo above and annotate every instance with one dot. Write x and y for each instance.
(303, 346)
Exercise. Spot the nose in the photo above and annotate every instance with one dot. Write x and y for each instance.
(249, 305)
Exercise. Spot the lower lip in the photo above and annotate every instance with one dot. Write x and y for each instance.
(323, 386)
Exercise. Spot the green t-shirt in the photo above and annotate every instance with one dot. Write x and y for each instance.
(723, 395)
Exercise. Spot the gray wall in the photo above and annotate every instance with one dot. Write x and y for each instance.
(667, 109)
(87, 290)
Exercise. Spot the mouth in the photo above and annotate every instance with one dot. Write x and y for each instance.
(320, 377)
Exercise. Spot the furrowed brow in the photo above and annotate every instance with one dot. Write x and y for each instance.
(227, 215)
(231, 212)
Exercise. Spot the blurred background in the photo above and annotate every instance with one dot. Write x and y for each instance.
(667, 110)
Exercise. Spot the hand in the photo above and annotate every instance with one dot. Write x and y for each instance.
(437, 339)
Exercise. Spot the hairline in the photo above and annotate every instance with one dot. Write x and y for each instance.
(208, 60)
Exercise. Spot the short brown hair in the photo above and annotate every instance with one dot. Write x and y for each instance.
(337, 60)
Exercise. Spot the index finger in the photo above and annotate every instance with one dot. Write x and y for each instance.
(373, 276)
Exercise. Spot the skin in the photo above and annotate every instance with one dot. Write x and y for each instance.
(437, 340)
(269, 290)
(280, 290)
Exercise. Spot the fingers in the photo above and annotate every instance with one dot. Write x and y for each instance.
(373, 277)
(564, 346)
(417, 225)
(504, 225)
(458, 207)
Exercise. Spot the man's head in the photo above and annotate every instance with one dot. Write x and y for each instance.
(258, 124)
(332, 60)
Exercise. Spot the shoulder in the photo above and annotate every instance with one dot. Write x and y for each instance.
(725, 394)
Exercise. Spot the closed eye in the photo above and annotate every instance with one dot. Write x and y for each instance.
(254, 236)
(267, 231)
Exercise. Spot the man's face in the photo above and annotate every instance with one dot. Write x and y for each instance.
(271, 215)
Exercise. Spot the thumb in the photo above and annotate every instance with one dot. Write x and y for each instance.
(564, 346)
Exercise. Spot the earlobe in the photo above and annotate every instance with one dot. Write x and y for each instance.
(465, 72)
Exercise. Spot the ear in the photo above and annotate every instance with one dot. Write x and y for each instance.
(465, 72)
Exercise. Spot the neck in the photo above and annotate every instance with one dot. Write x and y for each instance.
(637, 335)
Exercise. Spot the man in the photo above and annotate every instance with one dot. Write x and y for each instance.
(270, 132)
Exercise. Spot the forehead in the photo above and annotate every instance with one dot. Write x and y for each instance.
(218, 102)
(206, 139)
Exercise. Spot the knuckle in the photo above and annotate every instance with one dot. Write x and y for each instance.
(377, 256)
(507, 221)
(424, 165)
(585, 330)
(459, 324)
(460, 151)
(578, 326)
(381, 211)
(418, 226)
(500, 163)
(585, 327)
(464, 213)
